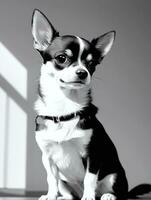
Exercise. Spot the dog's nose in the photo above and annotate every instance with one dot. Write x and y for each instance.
(82, 74)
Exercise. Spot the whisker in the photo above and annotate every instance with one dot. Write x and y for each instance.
(98, 78)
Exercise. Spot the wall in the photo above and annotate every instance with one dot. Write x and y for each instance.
(121, 84)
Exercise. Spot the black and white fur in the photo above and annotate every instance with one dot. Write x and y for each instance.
(79, 157)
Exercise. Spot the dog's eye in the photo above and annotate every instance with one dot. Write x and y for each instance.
(61, 59)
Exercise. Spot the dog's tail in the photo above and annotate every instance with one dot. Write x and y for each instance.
(140, 190)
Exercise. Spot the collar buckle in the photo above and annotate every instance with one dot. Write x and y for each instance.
(75, 114)
(56, 119)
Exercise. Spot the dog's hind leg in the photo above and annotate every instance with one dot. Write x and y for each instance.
(112, 187)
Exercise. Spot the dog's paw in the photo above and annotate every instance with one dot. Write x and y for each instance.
(88, 196)
(66, 197)
(108, 196)
(48, 197)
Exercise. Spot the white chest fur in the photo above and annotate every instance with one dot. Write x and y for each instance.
(65, 144)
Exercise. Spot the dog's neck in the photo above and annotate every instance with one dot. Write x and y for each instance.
(60, 101)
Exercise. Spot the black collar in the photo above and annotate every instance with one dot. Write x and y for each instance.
(89, 111)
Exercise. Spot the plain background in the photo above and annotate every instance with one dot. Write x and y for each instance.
(122, 84)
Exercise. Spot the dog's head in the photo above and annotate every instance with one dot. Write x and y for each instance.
(70, 60)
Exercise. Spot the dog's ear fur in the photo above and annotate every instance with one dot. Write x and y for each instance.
(42, 30)
(104, 42)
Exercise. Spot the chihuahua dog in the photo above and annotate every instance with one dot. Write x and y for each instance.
(80, 159)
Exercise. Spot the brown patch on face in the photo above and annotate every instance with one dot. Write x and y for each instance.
(69, 52)
(89, 57)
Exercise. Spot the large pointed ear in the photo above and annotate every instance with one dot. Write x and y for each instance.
(42, 30)
(104, 42)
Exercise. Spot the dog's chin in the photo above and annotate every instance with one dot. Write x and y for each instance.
(72, 84)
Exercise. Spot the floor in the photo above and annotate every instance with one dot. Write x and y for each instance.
(18, 198)
(35, 198)
(13, 194)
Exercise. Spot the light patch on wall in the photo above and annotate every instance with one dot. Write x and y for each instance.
(13, 121)
(13, 71)
(3, 104)
(16, 146)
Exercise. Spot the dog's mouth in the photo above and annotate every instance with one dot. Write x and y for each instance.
(77, 82)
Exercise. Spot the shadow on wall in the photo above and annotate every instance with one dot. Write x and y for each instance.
(15, 114)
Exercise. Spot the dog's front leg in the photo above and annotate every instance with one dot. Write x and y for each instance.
(52, 179)
(90, 184)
